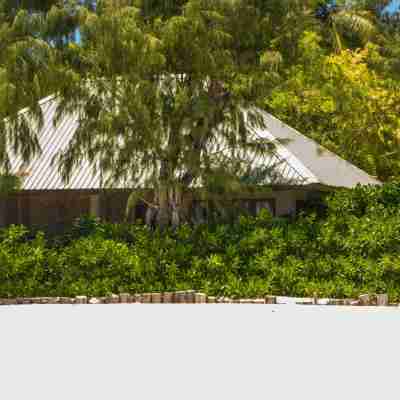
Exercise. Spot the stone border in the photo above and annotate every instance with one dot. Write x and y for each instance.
(193, 297)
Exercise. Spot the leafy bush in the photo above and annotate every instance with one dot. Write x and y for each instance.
(353, 248)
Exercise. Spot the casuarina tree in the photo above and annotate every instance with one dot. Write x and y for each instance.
(165, 105)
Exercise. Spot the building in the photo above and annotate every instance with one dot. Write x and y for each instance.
(304, 170)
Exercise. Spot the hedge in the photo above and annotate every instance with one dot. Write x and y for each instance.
(349, 246)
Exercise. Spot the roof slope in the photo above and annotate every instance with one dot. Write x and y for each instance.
(319, 164)
(40, 173)
(298, 159)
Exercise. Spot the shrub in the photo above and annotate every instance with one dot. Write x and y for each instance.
(353, 247)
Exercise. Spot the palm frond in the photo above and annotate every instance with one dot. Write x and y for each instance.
(350, 23)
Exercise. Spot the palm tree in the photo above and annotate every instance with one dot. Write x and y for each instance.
(346, 21)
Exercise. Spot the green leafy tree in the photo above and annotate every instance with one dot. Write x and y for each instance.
(340, 101)
(59, 18)
(348, 22)
(160, 8)
(24, 80)
(33, 40)
(162, 105)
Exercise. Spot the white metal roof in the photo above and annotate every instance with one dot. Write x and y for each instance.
(298, 159)
(314, 162)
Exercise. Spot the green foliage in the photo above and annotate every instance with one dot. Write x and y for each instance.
(25, 78)
(9, 184)
(354, 248)
(343, 103)
(160, 8)
(163, 103)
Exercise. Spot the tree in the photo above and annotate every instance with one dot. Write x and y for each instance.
(59, 17)
(160, 8)
(12, 7)
(162, 105)
(341, 102)
(24, 80)
(33, 39)
(346, 21)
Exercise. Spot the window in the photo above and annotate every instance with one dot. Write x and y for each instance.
(300, 205)
(255, 206)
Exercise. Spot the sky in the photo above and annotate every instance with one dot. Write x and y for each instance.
(392, 7)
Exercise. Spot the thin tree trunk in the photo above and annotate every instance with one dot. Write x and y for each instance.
(172, 207)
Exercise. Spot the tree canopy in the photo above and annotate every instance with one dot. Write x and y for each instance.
(165, 105)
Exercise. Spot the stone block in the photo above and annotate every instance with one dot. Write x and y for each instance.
(95, 300)
(305, 301)
(156, 298)
(270, 299)
(211, 299)
(8, 302)
(258, 301)
(323, 302)
(112, 299)
(54, 300)
(146, 298)
(180, 297)
(228, 300)
(67, 300)
(44, 300)
(285, 300)
(125, 298)
(26, 300)
(200, 298)
(80, 299)
(382, 299)
(364, 299)
(336, 302)
(349, 302)
(190, 296)
(137, 298)
(168, 297)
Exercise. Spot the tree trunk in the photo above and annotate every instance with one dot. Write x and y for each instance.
(172, 207)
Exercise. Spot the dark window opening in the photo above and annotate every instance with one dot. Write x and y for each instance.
(140, 211)
(300, 206)
(254, 207)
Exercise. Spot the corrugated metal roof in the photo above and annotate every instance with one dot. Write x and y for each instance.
(299, 160)
(40, 173)
(318, 164)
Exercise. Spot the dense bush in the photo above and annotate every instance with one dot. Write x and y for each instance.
(353, 246)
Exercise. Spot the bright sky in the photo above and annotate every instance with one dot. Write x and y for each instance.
(392, 7)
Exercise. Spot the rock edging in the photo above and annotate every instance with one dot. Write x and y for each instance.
(193, 297)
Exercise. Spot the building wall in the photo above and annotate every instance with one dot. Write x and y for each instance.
(286, 201)
(57, 209)
(53, 209)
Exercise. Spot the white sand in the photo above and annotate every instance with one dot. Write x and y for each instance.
(57, 352)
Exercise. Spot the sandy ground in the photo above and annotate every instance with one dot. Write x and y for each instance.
(187, 352)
